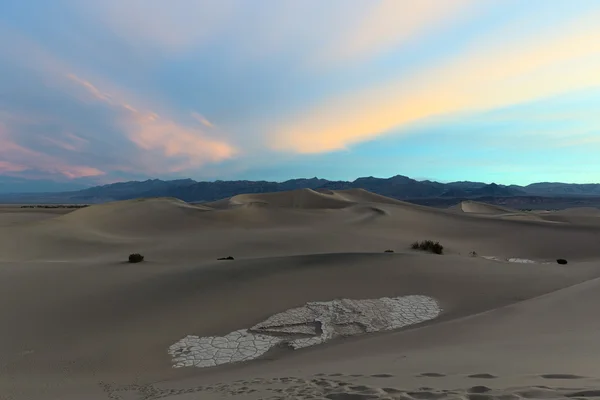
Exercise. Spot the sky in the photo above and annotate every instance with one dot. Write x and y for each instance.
(101, 91)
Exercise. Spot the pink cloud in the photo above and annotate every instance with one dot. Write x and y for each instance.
(200, 118)
(94, 91)
(17, 158)
(152, 132)
(6, 166)
(67, 141)
(77, 171)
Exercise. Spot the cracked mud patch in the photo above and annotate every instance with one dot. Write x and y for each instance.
(309, 325)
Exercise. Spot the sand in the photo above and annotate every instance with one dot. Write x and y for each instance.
(499, 212)
(78, 322)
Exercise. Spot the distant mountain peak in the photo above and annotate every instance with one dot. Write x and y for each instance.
(398, 186)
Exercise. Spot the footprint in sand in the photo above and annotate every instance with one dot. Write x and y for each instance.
(350, 396)
(483, 376)
(391, 390)
(585, 393)
(479, 396)
(561, 376)
(360, 388)
(479, 389)
(382, 376)
(426, 395)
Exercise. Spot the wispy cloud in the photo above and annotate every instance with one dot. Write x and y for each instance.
(95, 92)
(47, 115)
(6, 166)
(167, 26)
(66, 141)
(390, 24)
(17, 158)
(202, 120)
(154, 88)
(514, 70)
(150, 131)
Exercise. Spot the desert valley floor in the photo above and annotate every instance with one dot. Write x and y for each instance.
(311, 307)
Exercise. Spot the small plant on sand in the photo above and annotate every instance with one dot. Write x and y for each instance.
(561, 261)
(428, 245)
(136, 258)
(389, 251)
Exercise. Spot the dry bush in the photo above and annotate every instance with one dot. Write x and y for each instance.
(429, 245)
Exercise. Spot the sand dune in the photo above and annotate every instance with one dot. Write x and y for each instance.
(495, 211)
(470, 206)
(363, 196)
(130, 215)
(578, 216)
(14, 215)
(305, 199)
(301, 198)
(84, 324)
(579, 212)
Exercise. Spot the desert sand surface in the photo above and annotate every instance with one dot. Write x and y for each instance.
(498, 212)
(13, 214)
(576, 215)
(79, 322)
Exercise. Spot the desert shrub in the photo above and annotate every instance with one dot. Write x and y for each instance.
(136, 258)
(429, 245)
(436, 248)
(226, 258)
(561, 261)
(473, 254)
(389, 251)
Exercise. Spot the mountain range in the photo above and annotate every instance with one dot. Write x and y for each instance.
(399, 187)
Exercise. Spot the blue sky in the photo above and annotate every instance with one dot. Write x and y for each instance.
(94, 92)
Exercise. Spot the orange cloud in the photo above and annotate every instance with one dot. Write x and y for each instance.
(150, 131)
(513, 71)
(77, 171)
